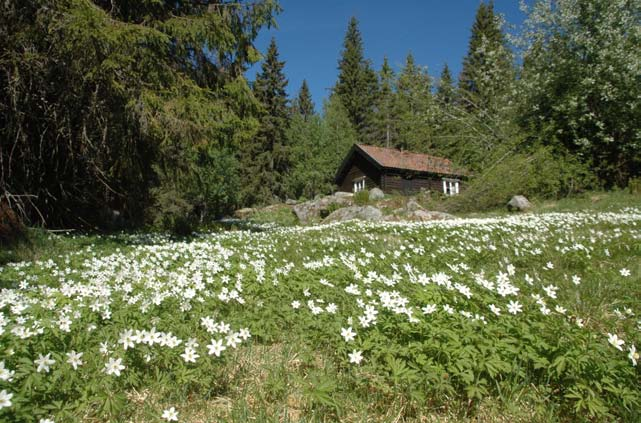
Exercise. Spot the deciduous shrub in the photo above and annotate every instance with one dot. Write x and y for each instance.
(540, 173)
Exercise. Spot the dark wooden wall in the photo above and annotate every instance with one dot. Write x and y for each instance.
(410, 185)
(361, 167)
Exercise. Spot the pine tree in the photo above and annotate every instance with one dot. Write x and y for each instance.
(413, 107)
(487, 68)
(268, 158)
(357, 81)
(303, 104)
(445, 91)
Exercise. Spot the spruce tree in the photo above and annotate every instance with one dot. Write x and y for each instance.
(487, 70)
(445, 91)
(307, 176)
(268, 161)
(303, 104)
(128, 106)
(384, 128)
(413, 107)
(357, 81)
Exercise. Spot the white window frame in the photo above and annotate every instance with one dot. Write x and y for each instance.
(451, 186)
(358, 184)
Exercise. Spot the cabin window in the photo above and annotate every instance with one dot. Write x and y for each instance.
(450, 186)
(359, 184)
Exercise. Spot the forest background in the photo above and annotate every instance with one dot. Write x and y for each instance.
(141, 112)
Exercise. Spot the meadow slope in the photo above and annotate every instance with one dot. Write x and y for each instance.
(532, 317)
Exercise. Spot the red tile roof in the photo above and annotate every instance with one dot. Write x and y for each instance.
(397, 159)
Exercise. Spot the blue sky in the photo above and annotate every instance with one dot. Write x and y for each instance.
(310, 36)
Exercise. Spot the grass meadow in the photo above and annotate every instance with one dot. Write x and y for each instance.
(529, 317)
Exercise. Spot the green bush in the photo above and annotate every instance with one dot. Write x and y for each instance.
(361, 198)
(173, 212)
(331, 208)
(203, 190)
(542, 173)
(279, 215)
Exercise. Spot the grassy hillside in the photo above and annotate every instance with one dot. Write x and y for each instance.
(512, 318)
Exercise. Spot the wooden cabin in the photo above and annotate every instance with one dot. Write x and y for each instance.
(391, 170)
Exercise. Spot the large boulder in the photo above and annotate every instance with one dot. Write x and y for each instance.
(343, 194)
(376, 194)
(519, 203)
(412, 205)
(320, 208)
(355, 212)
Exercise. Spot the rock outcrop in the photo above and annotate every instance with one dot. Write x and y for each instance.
(320, 208)
(340, 207)
(376, 194)
(412, 205)
(519, 203)
(355, 212)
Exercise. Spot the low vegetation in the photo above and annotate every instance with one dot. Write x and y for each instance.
(530, 317)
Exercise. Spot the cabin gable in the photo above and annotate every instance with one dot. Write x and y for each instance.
(360, 169)
(366, 167)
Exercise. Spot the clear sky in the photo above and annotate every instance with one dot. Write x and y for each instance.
(310, 36)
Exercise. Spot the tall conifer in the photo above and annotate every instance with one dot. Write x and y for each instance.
(413, 107)
(357, 82)
(445, 91)
(487, 68)
(384, 128)
(268, 161)
(303, 104)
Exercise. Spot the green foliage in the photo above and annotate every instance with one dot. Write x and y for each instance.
(384, 129)
(487, 72)
(208, 188)
(318, 146)
(446, 91)
(338, 135)
(634, 186)
(413, 107)
(266, 158)
(543, 173)
(97, 105)
(357, 83)
(331, 208)
(279, 215)
(581, 82)
(303, 104)
(309, 174)
(361, 198)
